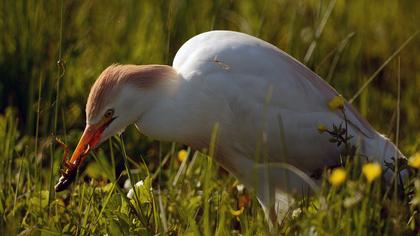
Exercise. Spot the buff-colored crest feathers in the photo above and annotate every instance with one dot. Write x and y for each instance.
(141, 76)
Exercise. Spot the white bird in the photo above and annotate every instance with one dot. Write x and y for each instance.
(266, 105)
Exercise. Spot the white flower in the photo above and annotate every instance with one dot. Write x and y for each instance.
(240, 188)
(138, 184)
(296, 213)
(127, 184)
(130, 193)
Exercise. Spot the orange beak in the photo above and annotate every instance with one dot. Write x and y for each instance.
(89, 139)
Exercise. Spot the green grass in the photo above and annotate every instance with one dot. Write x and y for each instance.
(352, 42)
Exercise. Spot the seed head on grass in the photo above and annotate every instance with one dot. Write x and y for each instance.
(337, 177)
(414, 161)
(336, 103)
(371, 171)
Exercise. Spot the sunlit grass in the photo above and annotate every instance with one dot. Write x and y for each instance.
(201, 198)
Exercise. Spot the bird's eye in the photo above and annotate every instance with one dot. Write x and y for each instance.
(109, 113)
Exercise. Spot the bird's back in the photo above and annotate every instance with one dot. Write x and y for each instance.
(270, 95)
(258, 69)
(249, 63)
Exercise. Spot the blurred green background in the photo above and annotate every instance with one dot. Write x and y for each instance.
(345, 42)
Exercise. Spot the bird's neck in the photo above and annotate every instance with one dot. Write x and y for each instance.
(176, 115)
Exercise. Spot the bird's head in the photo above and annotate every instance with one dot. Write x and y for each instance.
(118, 98)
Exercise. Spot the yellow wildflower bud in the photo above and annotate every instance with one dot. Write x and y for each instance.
(321, 128)
(336, 103)
(338, 176)
(182, 154)
(237, 212)
(371, 171)
(414, 161)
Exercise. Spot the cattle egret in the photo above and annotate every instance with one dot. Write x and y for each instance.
(266, 105)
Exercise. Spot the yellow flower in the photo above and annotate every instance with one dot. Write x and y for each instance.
(371, 171)
(414, 161)
(338, 176)
(336, 103)
(182, 154)
(321, 128)
(237, 212)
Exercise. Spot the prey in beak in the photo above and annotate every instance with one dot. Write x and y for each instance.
(90, 138)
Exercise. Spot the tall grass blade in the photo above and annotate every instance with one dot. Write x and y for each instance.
(372, 77)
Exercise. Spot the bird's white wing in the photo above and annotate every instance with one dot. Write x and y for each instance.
(267, 103)
(241, 64)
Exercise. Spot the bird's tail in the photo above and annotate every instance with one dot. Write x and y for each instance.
(382, 150)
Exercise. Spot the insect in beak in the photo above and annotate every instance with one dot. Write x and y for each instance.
(70, 168)
(89, 139)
